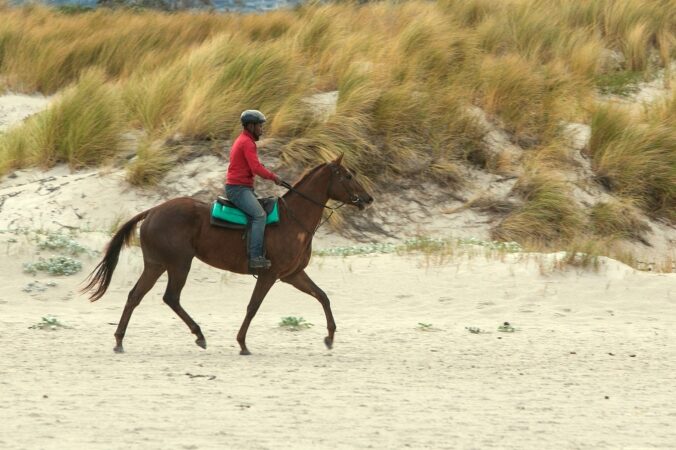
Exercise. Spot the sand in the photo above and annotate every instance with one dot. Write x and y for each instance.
(16, 107)
(590, 365)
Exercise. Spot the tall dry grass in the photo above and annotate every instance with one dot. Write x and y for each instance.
(407, 75)
(548, 215)
(637, 160)
(81, 128)
(43, 50)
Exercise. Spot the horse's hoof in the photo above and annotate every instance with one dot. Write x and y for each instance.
(202, 343)
(244, 352)
(118, 349)
(329, 342)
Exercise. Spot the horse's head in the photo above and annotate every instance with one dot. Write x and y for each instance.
(345, 188)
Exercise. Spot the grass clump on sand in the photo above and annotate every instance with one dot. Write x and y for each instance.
(152, 162)
(292, 323)
(49, 322)
(81, 128)
(636, 160)
(57, 265)
(615, 219)
(548, 215)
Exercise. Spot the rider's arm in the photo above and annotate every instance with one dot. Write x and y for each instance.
(255, 165)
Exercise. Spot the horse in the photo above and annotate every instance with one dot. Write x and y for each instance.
(178, 230)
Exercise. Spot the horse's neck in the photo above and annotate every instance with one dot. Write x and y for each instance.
(305, 211)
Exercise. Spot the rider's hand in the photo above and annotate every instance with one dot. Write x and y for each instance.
(278, 181)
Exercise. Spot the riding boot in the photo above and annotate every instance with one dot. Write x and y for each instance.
(259, 262)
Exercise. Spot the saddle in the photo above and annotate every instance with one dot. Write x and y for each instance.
(225, 214)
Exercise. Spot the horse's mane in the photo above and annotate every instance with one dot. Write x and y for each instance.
(306, 175)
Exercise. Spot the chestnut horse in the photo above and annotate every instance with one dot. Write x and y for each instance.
(175, 232)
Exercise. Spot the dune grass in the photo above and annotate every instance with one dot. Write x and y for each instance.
(548, 215)
(407, 76)
(81, 128)
(637, 160)
(151, 163)
(616, 219)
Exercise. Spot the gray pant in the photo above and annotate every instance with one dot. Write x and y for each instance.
(245, 199)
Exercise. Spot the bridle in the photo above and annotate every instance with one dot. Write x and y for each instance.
(353, 199)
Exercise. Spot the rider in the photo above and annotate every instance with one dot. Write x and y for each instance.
(244, 165)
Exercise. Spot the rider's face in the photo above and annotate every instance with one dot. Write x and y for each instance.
(258, 130)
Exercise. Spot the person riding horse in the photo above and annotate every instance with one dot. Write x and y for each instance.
(244, 165)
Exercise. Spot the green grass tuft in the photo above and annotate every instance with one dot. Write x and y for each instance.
(294, 323)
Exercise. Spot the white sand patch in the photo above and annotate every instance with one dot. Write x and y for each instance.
(16, 107)
(324, 103)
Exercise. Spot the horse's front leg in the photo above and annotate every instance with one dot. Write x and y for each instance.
(263, 286)
(303, 283)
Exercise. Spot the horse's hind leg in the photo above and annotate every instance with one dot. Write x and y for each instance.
(145, 282)
(172, 297)
(303, 283)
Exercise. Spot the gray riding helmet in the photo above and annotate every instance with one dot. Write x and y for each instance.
(252, 116)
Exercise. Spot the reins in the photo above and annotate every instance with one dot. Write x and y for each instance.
(293, 216)
(310, 199)
(292, 189)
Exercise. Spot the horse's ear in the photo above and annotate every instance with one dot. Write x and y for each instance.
(339, 159)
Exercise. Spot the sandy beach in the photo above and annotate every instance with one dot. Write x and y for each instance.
(590, 365)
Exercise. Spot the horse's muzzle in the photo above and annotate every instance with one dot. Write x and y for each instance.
(362, 202)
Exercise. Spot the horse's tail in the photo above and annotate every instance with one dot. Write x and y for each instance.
(100, 277)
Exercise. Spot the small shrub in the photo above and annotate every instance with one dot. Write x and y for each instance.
(58, 265)
(57, 241)
(48, 322)
(294, 323)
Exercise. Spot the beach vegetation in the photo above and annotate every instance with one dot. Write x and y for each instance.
(293, 323)
(49, 322)
(548, 216)
(57, 265)
(404, 78)
(636, 159)
(152, 161)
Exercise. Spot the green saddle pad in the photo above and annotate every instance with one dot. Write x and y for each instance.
(231, 214)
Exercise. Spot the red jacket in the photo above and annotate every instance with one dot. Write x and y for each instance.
(244, 163)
